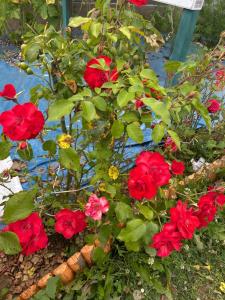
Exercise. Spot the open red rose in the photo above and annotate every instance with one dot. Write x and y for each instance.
(8, 92)
(220, 199)
(206, 209)
(141, 184)
(156, 165)
(184, 219)
(138, 2)
(23, 122)
(95, 77)
(213, 105)
(177, 167)
(69, 222)
(166, 241)
(30, 232)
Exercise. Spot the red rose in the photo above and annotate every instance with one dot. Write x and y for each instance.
(170, 144)
(30, 232)
(96, 77)
(220, 199)
(213, 105)
(23, 122)
(184, 219)
(206, 209)
(139, 103)
(8, 92)
(156, 165)
(177, 167)
(138, 2)
(220, 78)
(166, 241)
(141, 184)
(69, 222)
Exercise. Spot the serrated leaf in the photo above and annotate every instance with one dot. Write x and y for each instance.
(9, 243)
(78, 21)
(159, 108)
(123, 212)
(4, 149)
(125, 31)
(135, 133)
(174, 137)
(19, 206)
(158, 132)
(100, 103)
(69, 159)
(133, 232)
(89, 112)
(117, 129)
(52, 285)
(124, 97)
(59, 109)
(145, 211)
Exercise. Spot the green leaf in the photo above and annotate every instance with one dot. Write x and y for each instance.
(125, 31)
(132, 246)
(158, 132)
(19, 206)
(133, 232)
(159, 108)
(78, 21)
(145, 211)
(130, 116)
(100, 103)
(203, 111)
(26, 154)
(31, 51)
(151, 229)
(69, 159)
(117, 129)
(174, 137)
(96, 29)
(4, 149)
(50, 146)
(98, 256)
(89, 112)
(9, 243)
(172, 66)
(124, 97)
(52, 285)
(135, 133)
(123, 212)
(149, 74)
(59, 109)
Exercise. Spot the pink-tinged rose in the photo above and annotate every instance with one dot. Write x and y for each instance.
(138, 2)
(96, 207)
(22, 122)
(213, 106)
(95, 77)
(68, 222)
(141, 184)
(8, 92)
(185, 220)
(166, 241)
(177, 167)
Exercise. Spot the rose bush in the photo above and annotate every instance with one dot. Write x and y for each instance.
(104, 99)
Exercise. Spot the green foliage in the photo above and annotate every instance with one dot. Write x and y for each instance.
(9, 243)
(19, 206)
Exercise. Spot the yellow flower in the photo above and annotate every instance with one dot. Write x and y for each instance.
(64, 141)
(113, 172)
(102, 187)
(222, 287)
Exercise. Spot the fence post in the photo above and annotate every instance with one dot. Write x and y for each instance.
(184, 35)
(65, 13)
